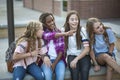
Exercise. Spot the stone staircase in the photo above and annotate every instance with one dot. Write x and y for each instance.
(18, 32)
(100, 75)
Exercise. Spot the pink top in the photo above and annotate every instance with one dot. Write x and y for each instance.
(28, 60)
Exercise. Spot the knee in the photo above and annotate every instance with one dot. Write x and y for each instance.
(106, 56)
(48, 75)
(40, 77)
(109, 68)
(85, 70)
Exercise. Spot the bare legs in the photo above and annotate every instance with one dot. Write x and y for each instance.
(109, 73)
(105, 59)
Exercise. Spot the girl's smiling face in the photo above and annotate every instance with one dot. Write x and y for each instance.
(50, 23)
(73, 21)
(98, 28)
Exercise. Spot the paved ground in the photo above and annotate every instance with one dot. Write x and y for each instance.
(22, 16)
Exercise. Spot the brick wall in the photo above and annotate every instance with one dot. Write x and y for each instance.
(86, 8)
(96, 8)
(53, 6)
(57, 7)
(28, 3)
(43, 5)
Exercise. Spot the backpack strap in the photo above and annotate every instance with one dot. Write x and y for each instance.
(21, 46)
(9, 52)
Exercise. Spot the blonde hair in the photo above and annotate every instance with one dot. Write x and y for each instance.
(30, 34)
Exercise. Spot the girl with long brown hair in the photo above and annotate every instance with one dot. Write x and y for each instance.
(102, 46)
(77, 48)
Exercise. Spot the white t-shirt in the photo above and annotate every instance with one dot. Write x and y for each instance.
(72, 45)
(52, 52)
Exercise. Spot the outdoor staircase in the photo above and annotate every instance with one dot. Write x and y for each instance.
(18, 31)
(100, 75)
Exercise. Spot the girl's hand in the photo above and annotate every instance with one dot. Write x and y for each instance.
(47, 61)
(73, 63)
(43, 50)
(53, 67)
(70, 33)
(35, 53)
(96, 68)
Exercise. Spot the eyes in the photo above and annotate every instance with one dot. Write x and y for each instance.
(49, 19)
(74, 19)
(52, 20)
(99, 26)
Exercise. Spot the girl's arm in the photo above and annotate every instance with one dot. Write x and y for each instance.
(56, 60)
(69, 33)
(92, 55)
(52, 35)
(82, 54)
(111, 48)
(96, 66)
(18, 56)
(112, 39)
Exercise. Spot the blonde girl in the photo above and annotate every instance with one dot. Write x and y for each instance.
(26, 52)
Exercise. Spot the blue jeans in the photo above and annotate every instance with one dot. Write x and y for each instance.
(34, 70)
(59, 71)
(83, 67)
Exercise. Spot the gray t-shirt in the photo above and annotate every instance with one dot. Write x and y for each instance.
(100, 44)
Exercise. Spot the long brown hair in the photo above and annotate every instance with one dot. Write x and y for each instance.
(30, 35)
(67, 28)
(90, 30)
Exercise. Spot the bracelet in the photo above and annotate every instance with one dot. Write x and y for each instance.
(110, 54)
(95, 63)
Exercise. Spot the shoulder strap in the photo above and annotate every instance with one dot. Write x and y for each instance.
(21, 46)
(9, 52)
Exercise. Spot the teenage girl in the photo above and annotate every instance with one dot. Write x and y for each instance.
(77, 48)
(102, 46)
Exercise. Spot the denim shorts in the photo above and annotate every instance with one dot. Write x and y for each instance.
(97, 54)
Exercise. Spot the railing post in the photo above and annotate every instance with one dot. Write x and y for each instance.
(10, 21)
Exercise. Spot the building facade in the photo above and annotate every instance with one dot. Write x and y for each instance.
(86, 8)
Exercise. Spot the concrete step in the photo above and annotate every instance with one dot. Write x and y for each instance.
(18, 31)
(116, 76)
(100, 75)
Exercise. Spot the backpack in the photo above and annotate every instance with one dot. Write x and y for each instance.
(9, 52)
(9, 56)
